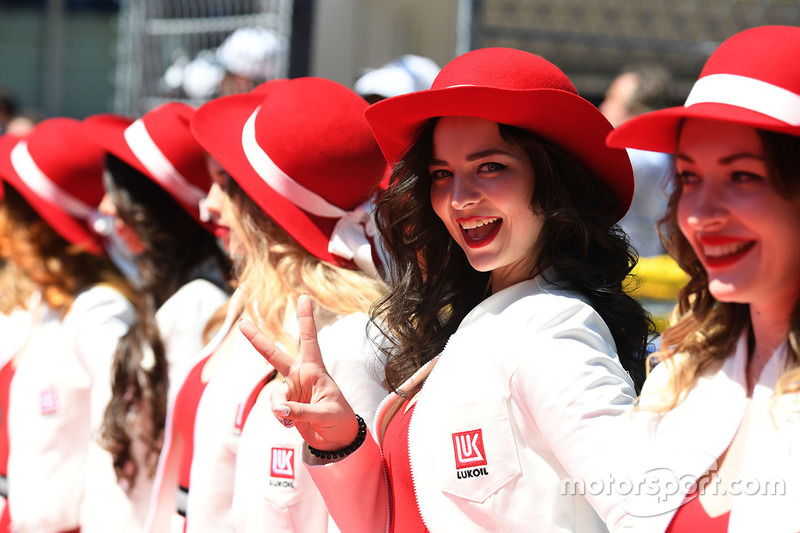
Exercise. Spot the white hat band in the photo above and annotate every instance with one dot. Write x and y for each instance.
(349, 238)
(37, 181)
(748, 93)
(159, 166)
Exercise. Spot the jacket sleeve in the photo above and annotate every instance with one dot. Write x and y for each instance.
(571, 385)
(355, 489)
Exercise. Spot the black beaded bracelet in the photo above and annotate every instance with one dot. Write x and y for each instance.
(347, 450)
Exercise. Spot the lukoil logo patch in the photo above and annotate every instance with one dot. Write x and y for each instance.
(468, 449)
(282, 464)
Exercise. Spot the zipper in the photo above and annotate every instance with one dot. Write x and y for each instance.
(411, 426)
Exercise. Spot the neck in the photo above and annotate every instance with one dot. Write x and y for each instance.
(770, 330)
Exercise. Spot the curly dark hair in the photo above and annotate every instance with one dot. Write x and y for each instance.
(433, 286)
(721, 323)
(175, 244)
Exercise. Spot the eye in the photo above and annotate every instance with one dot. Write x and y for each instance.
(745, 177)
(686, 177)
(491, 167)
(440, 173)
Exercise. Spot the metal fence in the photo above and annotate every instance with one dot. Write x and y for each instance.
(158, 39)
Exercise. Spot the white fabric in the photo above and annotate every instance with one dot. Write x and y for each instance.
(153, 159)
(685, 441)
(264, 502)
(181, 321)
(44, 187)
(216, 439)
(748, 93)
(349, 237)
(535, 369)
(56, 403)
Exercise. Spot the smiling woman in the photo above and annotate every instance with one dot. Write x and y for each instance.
(511, 345)
(729, 380)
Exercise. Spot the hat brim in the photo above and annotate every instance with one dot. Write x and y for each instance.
(558, 116)
(108, 131)
(69, 228)
(217, 126)
(658, 131)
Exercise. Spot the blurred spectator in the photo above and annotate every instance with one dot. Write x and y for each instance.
(634, 91)
(24, 121)
(249, 56)
(407, 73)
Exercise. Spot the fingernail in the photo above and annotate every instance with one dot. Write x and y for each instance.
(281, 410)
(286, 422)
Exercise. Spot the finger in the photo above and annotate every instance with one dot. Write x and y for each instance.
(316, 414)
(309, 347)
(275, 356)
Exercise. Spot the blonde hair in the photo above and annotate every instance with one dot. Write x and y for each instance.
(277, 270)
(705, 331)
(59, 269)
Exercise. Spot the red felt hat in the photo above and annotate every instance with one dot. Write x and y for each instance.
(515, 88)
(59, 171)
(161, 146)
(751, 79)
(302, 150)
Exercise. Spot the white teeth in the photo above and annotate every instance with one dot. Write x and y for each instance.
(721, 250)
(472, 224)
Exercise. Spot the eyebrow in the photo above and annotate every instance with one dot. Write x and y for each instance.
(727, 160)
(477, 155)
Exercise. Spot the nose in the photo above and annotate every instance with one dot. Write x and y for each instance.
(705, 208)
(107, 206)
(213, 203)
(465, 190)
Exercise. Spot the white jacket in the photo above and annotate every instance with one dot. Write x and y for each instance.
(531, 383)
(107, 506)
(273, 491)
(57, 398)
(680, 445)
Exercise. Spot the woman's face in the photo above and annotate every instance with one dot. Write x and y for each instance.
(744, 233)
(220, 208)
(481, 189)
(125, 232)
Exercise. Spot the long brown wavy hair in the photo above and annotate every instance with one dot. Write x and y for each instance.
(175, 244)
(705, 330)
(43, 259)
(433, 286)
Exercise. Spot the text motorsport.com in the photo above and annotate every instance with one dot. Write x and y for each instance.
(661, 490)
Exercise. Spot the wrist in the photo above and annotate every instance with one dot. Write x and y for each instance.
(361, 435)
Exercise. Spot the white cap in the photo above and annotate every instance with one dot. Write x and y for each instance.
(202, 76)
(251, 52)
(405, 74)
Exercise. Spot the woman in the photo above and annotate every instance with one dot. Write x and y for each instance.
(284, 143)
(155, 179)
(53, 187)
(721, 410)
(506, 312)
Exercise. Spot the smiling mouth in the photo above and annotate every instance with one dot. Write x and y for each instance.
(723, 254)
(480, 231)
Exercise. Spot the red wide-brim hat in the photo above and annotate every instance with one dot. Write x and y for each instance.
(59, 172)
(510, 87)
(752, 79)
(302, 150)
(161, 146)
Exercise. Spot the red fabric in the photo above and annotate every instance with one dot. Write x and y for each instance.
(405, 512)
(692, 517)
(184, 416)
(5, 520)
(251, 400)
(6, 373)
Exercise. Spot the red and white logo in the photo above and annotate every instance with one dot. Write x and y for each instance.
(49, 402)
(282, 463)
(468, 448)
